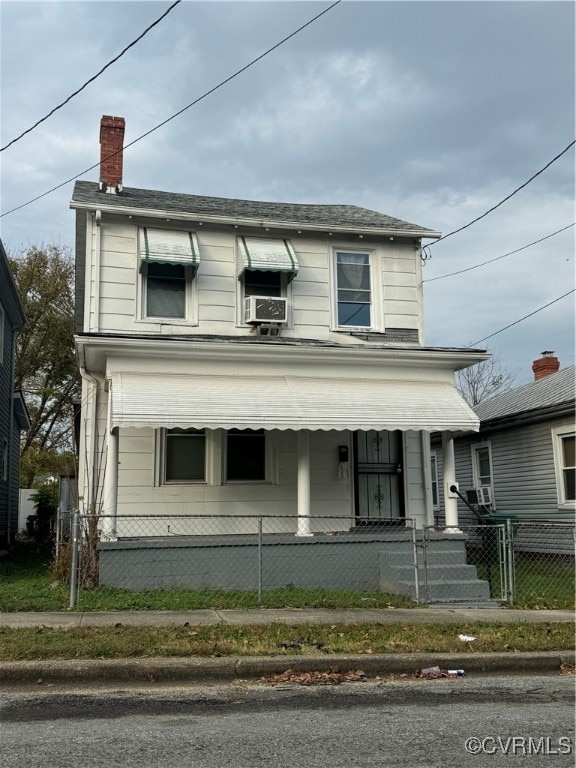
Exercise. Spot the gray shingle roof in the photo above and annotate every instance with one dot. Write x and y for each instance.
(350, 216)
(550, 391)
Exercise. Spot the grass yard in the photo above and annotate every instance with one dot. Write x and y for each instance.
(274, 639)
(26, 584)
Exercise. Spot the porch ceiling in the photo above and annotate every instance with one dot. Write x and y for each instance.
(286, 402)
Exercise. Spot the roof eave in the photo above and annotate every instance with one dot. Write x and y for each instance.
(250, 222)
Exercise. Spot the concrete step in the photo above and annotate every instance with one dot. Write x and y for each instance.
(452, 572)
(457, 590)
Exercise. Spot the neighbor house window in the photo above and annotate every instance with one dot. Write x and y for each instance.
(434, 474)
(482, 467)
(565, 461)
(246, 455)
(185, 456)
(354, 296)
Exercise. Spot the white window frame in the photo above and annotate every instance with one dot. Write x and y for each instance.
(160, 460)
(190, 299)
(375, 289)
(475, 448)
(270, 459)
(558, 434)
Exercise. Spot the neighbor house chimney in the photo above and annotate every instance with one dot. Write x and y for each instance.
(111, 143)
(546, 365)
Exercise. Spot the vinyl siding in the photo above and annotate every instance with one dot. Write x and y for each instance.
(113, 285)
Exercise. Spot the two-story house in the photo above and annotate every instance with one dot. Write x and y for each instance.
(13, 414)
(245, 358)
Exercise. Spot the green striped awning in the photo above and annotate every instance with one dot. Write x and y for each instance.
(165, 246)
(266, 254)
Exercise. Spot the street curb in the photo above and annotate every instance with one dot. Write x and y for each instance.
(229, 669)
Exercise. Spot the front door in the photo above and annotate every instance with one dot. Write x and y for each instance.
(378, 475)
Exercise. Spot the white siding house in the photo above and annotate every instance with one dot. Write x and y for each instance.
(201, 398)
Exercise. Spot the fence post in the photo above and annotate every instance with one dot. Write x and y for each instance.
(425, 561)
(415, 565)
(511, 562)
(74, 558)
(259, 560)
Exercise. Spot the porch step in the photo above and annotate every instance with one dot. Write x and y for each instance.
(444, 577)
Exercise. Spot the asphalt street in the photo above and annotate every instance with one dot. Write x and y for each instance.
(491, 721)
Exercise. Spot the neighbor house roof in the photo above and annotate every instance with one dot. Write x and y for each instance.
(87, 195)
(550, 392)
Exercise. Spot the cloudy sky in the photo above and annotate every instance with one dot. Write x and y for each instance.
(432, 112)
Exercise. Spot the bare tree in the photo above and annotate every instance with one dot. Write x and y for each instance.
(484, 380)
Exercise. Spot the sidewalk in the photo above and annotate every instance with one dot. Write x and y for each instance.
(205, 618)
(189, 671)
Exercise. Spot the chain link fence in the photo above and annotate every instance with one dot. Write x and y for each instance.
(243, 561)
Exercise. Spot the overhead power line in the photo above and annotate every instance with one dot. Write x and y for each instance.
(490, 261)
(181, 111)
(523, 318)
(494, 207)
(94, 77)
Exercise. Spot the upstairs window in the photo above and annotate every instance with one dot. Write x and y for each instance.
(165, 290)
(258, 283)
(354, 296)
(168, 263)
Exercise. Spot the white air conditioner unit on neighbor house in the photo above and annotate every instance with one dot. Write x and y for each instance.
(265, 309)
(484, 494)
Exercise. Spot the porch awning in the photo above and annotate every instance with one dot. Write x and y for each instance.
(163, 246)
(286, 402)
(266, 254)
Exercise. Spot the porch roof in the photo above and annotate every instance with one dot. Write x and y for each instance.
(286, 402)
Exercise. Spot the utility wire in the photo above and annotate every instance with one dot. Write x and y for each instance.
(523, 318)
(444, 237)
(490, 261)
(177, 114)
(91, 80)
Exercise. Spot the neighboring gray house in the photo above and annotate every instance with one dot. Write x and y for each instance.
(13, 416)
(523, 457)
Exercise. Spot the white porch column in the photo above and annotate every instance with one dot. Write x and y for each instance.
(450, 500)
(304, 528)
(110, 489)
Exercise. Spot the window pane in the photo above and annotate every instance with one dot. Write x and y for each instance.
(246, 455)
(569, 485)
(362, 297)
(354, 276)
(569, 451)
(354, 314)
(259, 283)
(185, 455)
(434, 481)
(484, 469)
(165, 290)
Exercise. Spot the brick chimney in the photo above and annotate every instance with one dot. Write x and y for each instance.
(111, 160)
(545, 365)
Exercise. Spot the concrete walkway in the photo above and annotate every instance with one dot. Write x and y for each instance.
(204, 618)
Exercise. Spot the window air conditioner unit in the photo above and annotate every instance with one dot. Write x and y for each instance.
(264, 309)
(484, 494)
